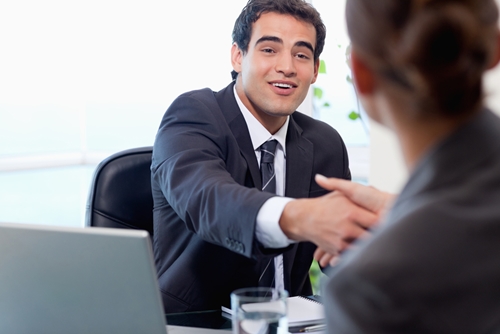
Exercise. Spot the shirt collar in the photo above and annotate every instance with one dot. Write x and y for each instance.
(258, 133)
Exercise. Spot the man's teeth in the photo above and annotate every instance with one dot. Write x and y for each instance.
(282, 85)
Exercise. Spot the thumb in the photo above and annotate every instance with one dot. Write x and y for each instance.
(367, 197)
(348, 188)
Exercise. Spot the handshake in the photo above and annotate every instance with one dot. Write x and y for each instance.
(334, 221)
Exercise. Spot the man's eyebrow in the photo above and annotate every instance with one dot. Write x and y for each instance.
(280, 41)
(269, 39)
(305, 44)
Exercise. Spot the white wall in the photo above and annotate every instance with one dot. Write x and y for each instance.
(387, 170)
(80, 80)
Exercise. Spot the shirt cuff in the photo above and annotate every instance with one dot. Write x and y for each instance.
(267, 229)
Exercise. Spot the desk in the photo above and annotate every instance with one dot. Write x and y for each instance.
(205, 319)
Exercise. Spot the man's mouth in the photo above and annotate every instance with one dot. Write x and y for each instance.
(282, 85)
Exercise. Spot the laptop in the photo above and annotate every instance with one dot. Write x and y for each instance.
(78, 280)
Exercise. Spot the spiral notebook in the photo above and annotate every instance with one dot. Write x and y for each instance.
(302, 311)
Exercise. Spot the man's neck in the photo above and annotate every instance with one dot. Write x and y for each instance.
(258, 132)
(271, 122)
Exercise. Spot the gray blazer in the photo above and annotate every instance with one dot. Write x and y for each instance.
(434, 265)
(206, 181)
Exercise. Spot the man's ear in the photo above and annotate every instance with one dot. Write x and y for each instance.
(316, 70)
(236, 57)
(363, 76)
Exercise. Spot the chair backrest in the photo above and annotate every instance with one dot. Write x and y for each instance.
(120, 193)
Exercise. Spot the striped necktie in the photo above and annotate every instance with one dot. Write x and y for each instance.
(268, 175)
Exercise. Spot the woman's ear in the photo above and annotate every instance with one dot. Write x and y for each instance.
(496, 59)
(362, 75)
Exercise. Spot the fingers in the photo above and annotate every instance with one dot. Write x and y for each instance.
(332, 221)
(345, 186)
(325, 258)
(364, 218)
(349, 231)
(328, 259)
(333, 260)
(367, 197)
(338, 241)
(318, 254)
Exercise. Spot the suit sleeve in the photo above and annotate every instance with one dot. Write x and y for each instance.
(382, 284)
(409, 277)
(199, 168)
(356, 305)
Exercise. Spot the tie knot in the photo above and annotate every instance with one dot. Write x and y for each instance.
(267, 151)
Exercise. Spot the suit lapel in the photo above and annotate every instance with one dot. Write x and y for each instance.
(238, 126)
(299, 167)
(299, 162)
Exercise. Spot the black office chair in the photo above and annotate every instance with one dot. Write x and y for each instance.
(120, 192)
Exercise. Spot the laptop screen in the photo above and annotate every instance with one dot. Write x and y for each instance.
(77, 280)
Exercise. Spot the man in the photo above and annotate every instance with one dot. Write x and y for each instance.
(217, 225)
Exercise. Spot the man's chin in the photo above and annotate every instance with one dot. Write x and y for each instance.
(281, 112)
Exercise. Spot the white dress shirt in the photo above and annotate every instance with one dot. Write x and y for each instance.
(267, 230)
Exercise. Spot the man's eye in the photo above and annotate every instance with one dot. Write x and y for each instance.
(267, 50)
(302, 56)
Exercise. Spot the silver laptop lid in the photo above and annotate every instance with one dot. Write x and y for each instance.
(77, 280)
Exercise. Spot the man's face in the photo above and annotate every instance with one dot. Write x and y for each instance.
(278, 68)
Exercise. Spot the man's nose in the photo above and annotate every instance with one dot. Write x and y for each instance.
(286, 65)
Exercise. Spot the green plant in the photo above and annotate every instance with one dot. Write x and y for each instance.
(315, 275)
(322, 102)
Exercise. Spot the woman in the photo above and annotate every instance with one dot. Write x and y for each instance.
(433, 266)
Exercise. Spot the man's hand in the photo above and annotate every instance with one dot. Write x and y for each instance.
(369, 198)
(331, 221)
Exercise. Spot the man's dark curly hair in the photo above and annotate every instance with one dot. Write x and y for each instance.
(299, 9)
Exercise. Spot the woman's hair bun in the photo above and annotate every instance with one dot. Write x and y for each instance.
(437, 39)
(444, 55)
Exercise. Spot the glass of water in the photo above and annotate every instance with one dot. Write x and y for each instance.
(259, 311)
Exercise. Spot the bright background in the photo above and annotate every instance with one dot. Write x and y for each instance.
(81, 80)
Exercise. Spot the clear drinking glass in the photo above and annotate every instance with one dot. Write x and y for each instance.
(259, 311)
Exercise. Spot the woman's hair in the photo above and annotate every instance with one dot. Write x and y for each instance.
(432, 53)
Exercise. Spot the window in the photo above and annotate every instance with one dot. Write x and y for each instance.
(335, 100)
(82, 80)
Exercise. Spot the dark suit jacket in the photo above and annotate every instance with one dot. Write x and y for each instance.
(206, 181)
(434, 265)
